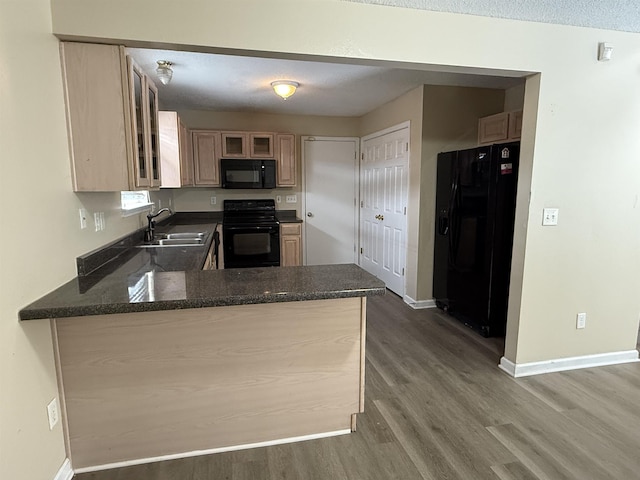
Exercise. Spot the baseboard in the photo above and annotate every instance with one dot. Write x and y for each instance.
(418, 304)
(65, 472)
(569, 363)
(140, 461)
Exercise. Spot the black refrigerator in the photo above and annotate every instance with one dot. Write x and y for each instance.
(475, 210)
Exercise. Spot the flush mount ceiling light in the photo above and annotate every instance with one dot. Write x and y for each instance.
(284, 88)
(164, 71)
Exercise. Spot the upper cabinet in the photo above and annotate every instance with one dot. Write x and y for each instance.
(286, 160)
(206, 155)
(261, 145)
(502, 127)
(234, 145)
(175, 151)
(112, 119)
(247, 145)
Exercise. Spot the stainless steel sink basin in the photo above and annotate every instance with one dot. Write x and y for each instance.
(182, 239)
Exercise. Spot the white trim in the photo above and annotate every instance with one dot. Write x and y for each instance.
(418, 304)
(570, 363)
(65, 472)
(195, 453)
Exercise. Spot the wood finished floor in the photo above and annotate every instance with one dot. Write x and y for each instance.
(437, 407)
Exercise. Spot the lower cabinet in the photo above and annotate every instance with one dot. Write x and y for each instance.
(290, 244)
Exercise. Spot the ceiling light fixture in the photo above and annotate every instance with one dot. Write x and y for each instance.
(164, 71)
(284, 88)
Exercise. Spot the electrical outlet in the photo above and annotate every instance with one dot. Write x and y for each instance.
(83, 219)
(581, 320)
(291, 199)
(550, 216)
(52, 413)
(103, 224)
(96, 221)
(213, 200)
(278, 198)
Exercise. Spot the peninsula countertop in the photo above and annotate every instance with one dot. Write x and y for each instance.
(154, 290)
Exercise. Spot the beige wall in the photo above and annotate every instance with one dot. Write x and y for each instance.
(580, 146)
(41, 234)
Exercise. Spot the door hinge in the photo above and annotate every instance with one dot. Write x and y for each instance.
(405, 210)
(360, 250)
(407, 147)
(362, 156)
(361, 203)
(403, 272)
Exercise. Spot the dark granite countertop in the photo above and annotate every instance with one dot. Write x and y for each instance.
(145, 291)
(123, 278)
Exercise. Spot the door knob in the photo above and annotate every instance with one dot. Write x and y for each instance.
(380, 217)
(309, 214)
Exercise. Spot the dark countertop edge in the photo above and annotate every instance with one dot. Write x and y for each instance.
(232, 300)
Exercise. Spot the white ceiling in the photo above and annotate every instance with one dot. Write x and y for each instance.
(203, 81)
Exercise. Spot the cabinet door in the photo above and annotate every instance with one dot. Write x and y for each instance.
(142, 175)
(186, 156)
(492, 129)
(170, 149)
(261, 145)
(96, 92)
(206, 145)
(152, 134)
(515, 125)
(234, 145)
(290, 245)
(286, 160)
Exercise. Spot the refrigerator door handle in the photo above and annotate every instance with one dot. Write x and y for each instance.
(443, 222)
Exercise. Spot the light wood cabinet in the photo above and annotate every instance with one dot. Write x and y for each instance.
(234, 144)
(261, 145)
(111, 119)
(502, 127)
(206, 157)
(290, 244)
(286, 160)
(175, 151)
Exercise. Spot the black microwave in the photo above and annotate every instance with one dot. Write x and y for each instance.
(241, 173)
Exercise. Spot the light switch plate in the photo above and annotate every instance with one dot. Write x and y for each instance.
(291, 198)
(550, 216)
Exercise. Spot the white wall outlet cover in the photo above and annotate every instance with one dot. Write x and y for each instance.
(278, 199)
(83, 218)
(581, 320)
(550, 216)
(52, 413)
(291, 198)
(213, 200)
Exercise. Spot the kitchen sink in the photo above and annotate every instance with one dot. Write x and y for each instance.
(182, 239)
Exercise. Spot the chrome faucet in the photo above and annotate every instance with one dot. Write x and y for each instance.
(148, 234)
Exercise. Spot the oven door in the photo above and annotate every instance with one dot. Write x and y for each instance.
(251, 246)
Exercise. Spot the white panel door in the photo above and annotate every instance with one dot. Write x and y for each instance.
(330, 176)
(384, 180)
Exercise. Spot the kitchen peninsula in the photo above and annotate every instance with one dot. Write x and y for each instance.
(159, 364)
